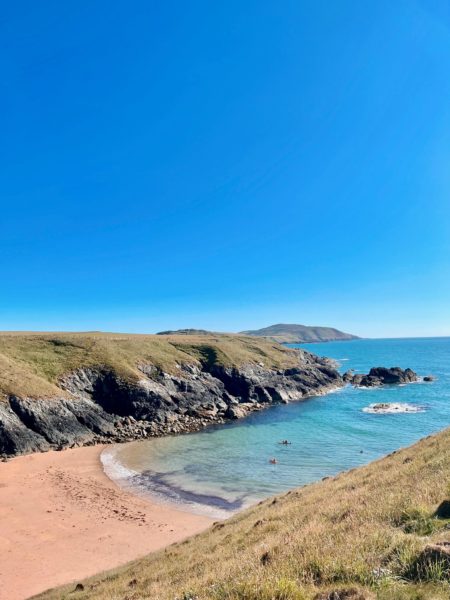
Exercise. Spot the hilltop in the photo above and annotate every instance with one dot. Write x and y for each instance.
(187, 332)
(300, 334)
(377, 531)
(60, 390)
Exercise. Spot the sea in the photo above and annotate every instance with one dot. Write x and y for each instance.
(226, 468)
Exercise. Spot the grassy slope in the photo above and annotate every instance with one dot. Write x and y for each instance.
(364, 529)
(31, 363)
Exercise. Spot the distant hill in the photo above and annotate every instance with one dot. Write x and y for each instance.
(297, 334)
(185, 332)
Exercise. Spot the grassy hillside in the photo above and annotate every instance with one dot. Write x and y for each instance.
(31, 363)
(296, 334)
(364, 530)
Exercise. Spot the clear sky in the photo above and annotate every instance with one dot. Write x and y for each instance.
(225, 165)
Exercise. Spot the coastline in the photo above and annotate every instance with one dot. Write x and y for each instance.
(149, 486)
(153, 487)
(63, 520)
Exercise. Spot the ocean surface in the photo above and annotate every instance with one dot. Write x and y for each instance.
(226, 467)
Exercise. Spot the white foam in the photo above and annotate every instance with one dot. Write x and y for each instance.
(332, 390)
(113, 468)
(372, 388)
(390, 408)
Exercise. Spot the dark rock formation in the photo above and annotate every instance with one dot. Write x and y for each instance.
(443, 510)
(99, 406)
(381, 376)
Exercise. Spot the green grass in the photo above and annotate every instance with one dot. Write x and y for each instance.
(363, 530)
(32, 363)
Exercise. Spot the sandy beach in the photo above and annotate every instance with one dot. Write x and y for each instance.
(62, 519)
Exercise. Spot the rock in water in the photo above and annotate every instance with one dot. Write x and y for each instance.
(381, 376)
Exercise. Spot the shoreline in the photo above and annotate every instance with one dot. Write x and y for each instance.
(63, 519)
(140, 430)
(186, 501)
(150, 487)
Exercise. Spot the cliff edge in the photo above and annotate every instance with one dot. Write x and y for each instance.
(60, 390)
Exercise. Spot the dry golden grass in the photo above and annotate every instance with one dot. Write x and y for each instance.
(363, 529)
(31, 363)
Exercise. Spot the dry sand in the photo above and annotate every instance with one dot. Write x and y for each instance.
(62, 519)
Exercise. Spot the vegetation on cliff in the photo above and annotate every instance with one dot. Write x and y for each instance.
(379, 531)
(32, 363)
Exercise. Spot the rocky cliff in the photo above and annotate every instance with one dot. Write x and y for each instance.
(103, 402)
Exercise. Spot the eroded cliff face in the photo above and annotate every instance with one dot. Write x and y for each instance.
(99, 406)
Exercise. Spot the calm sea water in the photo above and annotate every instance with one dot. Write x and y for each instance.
(225, 468)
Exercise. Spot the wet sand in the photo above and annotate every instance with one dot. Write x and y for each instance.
(62, 519)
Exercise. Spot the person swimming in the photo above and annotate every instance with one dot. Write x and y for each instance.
(273, 461)
(285, 442)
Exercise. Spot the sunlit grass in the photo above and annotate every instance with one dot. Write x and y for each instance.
(32, 363)
(362, 532)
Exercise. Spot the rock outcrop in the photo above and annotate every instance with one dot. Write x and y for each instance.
(97, 405)
(381, 376)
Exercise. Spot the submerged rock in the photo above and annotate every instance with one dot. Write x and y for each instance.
(385, 408)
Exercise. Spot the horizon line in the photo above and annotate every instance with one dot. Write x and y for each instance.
(99, 331)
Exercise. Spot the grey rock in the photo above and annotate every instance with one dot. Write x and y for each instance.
(348, 376)
(15, 436)
(381, 376)
(98, 406)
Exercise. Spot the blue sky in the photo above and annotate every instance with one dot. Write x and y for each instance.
(225, 165)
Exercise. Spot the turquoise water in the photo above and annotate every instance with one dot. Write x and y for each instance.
(226, 467)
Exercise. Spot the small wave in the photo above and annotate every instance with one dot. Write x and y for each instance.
(113, 468)
(422, 380)
(332, 390)
(389, 408)
(371, 388)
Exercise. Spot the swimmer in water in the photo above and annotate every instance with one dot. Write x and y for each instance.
(273, 461)
(285, 442)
